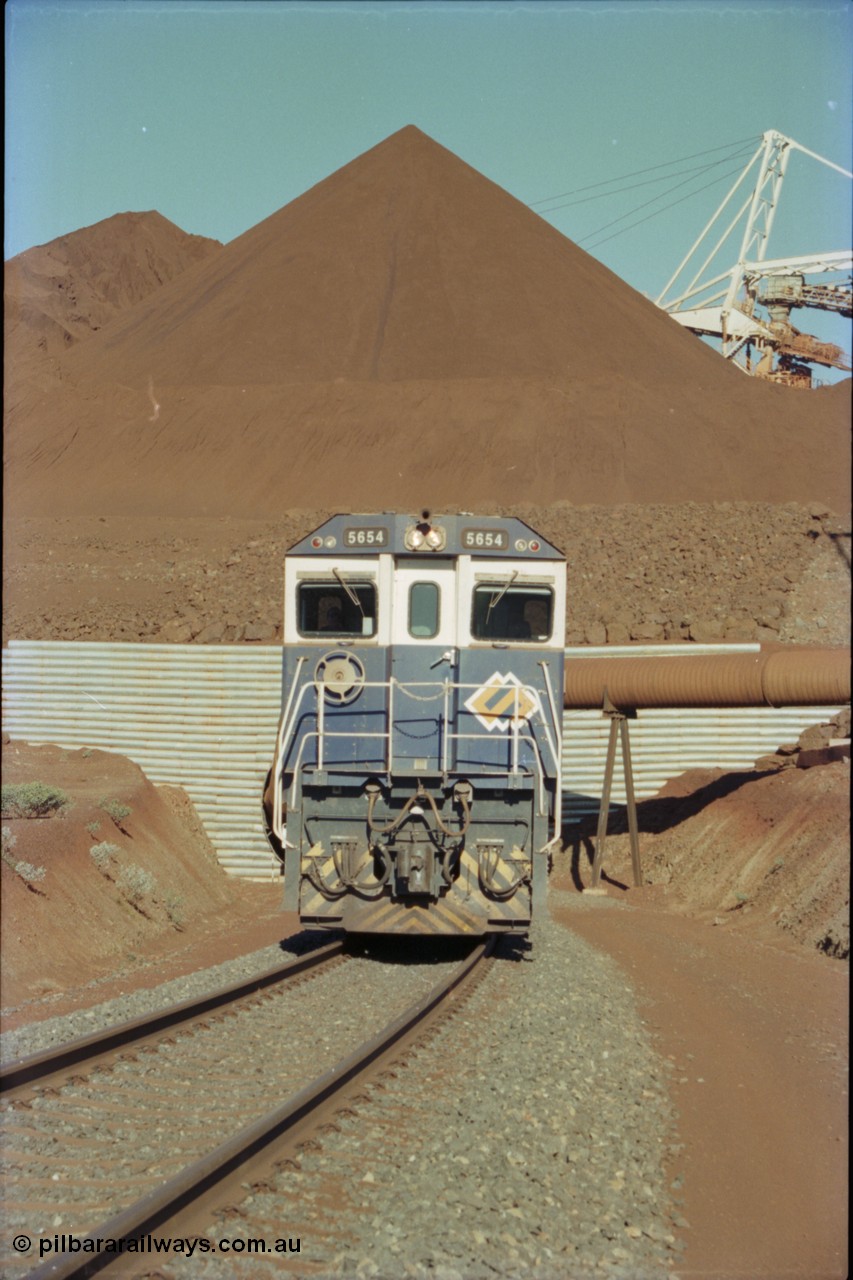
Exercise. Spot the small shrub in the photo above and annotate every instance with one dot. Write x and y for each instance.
(32, 800)
(116, 810)
(175, 909)
(30, 874)
(102, 853)
(135, 883)
(93, 828)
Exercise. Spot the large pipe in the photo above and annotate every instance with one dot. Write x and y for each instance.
(769, 678)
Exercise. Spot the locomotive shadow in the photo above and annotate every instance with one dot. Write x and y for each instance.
(421, 951)
(395, 949)
(655, 815)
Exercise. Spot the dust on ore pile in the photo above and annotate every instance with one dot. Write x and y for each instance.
(528, 1137)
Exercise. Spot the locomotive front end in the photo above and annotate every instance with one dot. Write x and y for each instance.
(415, 786)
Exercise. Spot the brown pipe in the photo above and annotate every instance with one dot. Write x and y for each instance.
(769, 678)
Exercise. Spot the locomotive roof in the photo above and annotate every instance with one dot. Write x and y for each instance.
(460, 534)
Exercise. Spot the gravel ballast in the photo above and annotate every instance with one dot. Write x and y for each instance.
(135, 1004)
(528, 1137)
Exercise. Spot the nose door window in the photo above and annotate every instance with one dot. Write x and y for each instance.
(424, 610)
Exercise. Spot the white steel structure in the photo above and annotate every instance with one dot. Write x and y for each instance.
(725, 306)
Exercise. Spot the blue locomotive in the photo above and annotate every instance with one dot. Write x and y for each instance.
(415, 787)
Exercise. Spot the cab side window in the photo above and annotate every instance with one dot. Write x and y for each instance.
(508, 613)
(327, 609)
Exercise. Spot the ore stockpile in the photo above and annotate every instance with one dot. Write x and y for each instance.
(405, 333)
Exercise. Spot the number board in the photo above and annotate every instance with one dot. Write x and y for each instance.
(366, 536)
(485, 539)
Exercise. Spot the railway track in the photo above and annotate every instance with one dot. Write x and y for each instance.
(166, 1173)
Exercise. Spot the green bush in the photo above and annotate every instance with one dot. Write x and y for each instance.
(175, 909)
(28, 873)
(135, 883)
(102, 853)
(32, 800)
(116, 810)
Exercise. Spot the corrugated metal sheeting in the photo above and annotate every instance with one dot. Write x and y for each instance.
(205, 717)
(201, 717)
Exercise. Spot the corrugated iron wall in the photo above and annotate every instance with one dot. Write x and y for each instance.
(201, 717)
(205, 717)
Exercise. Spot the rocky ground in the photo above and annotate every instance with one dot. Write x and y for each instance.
(728, 572)
(763, 852)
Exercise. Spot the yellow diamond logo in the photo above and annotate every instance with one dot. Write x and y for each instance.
(501, 700)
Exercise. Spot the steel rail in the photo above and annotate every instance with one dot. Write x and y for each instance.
(39, 1068)
(180, 1192)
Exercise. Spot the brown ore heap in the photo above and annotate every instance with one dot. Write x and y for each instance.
(405, 331)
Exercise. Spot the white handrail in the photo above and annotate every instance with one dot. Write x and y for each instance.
(558, 755)
(277, 824)
(445, 687)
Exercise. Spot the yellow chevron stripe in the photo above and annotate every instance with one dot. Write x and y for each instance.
(396, 917)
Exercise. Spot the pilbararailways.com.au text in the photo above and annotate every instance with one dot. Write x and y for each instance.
(58, 1244)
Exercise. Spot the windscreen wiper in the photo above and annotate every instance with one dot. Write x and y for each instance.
(348, 589)
(496, 599)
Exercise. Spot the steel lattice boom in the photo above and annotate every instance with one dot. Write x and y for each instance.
(747, 307)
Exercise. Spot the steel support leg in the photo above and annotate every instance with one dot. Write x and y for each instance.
(618, 725)
(601, 835)
(631, 803)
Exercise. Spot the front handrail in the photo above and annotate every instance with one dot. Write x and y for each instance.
(442, 689)
(278, 759)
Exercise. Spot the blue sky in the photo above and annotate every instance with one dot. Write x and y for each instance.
(219, 113)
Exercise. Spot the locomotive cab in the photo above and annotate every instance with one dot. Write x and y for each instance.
(415, 786)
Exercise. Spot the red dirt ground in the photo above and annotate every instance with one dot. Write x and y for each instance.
(757, 1037)
(77, 924)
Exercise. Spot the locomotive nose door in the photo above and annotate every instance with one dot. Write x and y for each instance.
(423, 658)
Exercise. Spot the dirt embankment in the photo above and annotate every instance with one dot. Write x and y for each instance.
(763, 851)
(123, 872)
